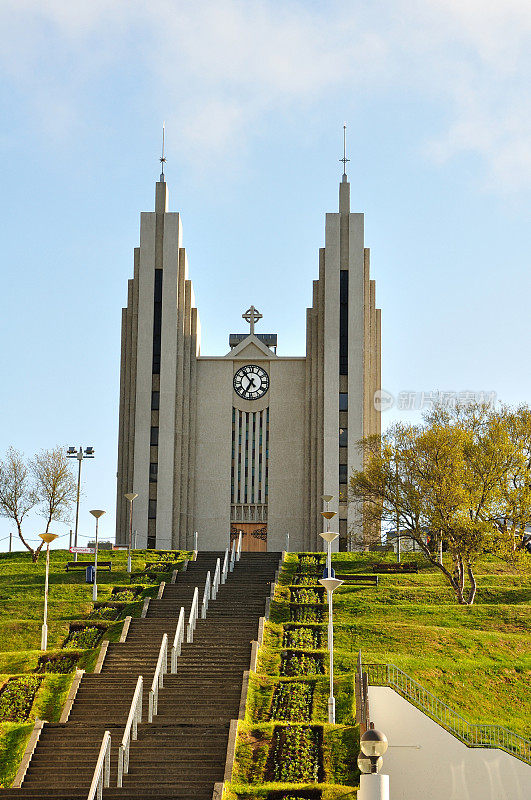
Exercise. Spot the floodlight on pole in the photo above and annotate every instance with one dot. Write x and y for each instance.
(47, 538)
(331, 584)
(97, 513)
(80, 454)
(329, 537)
(130, 496)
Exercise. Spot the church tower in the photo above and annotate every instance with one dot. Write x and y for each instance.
(343, 367)
(160, 345)
(257, 453)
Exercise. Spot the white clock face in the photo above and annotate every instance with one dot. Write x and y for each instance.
(251, 382)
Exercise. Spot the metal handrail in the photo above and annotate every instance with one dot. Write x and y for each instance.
(225, 569)
(239, 548)
(130, 732)
(178, 639)
(474, 735)
(102, 772)
(232, 555)
(206, 596)
(192, 619)
(216, 580)
(158, 678)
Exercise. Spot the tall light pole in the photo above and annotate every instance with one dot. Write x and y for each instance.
(80, 455)
(48, 538)
(327, 536)
(130, 496)
(97, 513)
(330, 585)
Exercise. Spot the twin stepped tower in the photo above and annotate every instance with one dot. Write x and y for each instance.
(203, 453)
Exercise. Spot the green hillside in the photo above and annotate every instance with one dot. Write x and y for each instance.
(475, 659)
(35, 685)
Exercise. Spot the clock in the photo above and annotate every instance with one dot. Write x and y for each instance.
(251, 382)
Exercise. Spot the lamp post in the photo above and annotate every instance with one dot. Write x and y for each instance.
(97, 513)
(130, 496)
(80, 455)
(328, 516)
(373, 786)
(330, 585)
(48, 538)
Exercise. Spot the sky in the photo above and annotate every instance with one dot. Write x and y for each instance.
(436, 97)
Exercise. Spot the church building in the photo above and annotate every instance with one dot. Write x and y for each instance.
(249, 440)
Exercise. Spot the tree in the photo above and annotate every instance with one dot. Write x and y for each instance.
(44, 484)
(463, 479)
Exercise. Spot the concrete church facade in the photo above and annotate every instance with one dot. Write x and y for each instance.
(249, 440)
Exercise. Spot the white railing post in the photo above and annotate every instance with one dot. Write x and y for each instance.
(158, 678)
(217, 578)
(206, 596)
(130, 732)
(225, 570)
(232, 555)
(177, 641)
(102, 772)
(193, 616)
(239, 548)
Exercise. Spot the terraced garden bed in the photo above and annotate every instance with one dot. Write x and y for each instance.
(17, 696)
(308, 637)
(84, 637)
(306, 613)
(292, 702)
(59, 663)
(295, 755)
(127, 594)
(298, 662)
(308, 596)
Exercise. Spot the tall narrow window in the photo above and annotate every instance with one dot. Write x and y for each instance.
(157, 321)
(154, 437)
(343, 401)
(343, 473)
(152, 509)
(155, 401)
(343, 437)
(343, 322)
(153, 472)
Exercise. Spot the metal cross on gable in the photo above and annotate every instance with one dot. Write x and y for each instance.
(251, 316)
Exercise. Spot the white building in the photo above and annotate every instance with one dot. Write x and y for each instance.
(249, 440)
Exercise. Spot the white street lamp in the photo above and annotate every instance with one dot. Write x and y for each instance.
(373, 786)
(331, 584)
(97, 513)
(328, 516)
(48, 538)
(130, 496)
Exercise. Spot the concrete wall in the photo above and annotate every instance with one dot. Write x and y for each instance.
(215, 401)
(425, 761)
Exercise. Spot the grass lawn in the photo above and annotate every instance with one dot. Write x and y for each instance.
(70, 601)
(476, 659)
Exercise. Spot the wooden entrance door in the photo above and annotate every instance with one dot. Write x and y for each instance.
(254, 538)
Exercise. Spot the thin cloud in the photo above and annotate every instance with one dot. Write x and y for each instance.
(226, 66)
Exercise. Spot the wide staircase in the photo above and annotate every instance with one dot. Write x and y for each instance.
(181, 754)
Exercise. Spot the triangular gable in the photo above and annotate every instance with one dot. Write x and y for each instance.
(251, 348)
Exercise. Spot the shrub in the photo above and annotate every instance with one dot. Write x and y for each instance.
(17, 698)
(104, 612)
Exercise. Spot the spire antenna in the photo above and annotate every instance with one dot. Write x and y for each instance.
(162, 159)
(345, 160)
